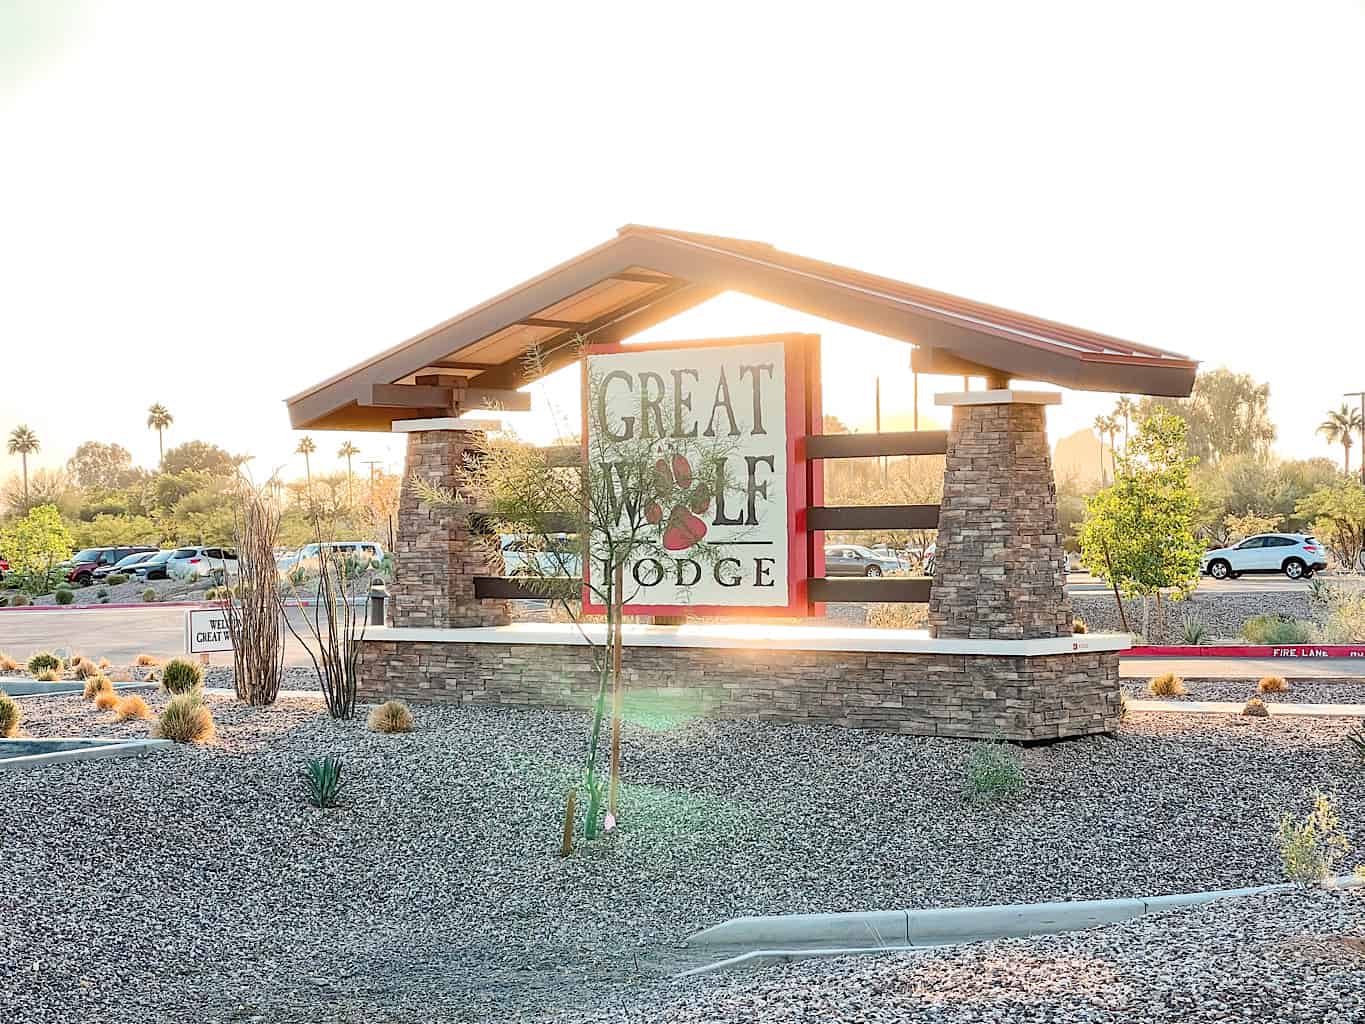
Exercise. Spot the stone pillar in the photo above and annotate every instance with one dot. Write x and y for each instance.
(436, 557)
(999, 570)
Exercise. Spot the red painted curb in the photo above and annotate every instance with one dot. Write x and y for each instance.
(101, 607)
(1248, 651)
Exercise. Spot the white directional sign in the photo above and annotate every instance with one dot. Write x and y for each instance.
(206, 631)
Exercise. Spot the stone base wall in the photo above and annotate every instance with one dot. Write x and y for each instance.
(1017, 698)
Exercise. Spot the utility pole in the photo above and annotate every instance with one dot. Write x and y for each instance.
(1361, 396)
(372, 463)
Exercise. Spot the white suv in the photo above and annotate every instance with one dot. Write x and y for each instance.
(187, 563)
(1296, 555)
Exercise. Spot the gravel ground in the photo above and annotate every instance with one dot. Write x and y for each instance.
(1221, 614)
(1301, 691)
(130, 592)
(196, 884)
(1287, 958)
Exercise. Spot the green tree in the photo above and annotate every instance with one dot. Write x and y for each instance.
(1337, 428)
(200, 457)
(33, 545)
(1227, 414)
(1338, 516)
(1125, 409)
(1103, 425)
(346, 451)
(1139, 533)
(100, 466)
(159, 418)
(23, 442)
(307, 446)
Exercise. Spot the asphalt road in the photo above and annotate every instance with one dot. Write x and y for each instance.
(1082, 582)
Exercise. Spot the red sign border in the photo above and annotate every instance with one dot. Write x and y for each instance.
(805, 558)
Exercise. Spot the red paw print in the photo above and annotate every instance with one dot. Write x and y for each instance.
(686, 498)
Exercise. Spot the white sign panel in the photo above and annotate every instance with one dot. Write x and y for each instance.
(683, 398)
(206, 631)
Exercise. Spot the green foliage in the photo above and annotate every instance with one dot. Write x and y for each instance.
(993, 772)
(1356, 741)
(1248, 524)
(34, 545)
(322, 781)
(1340, 615)
(1338, 516)
(149, 595)
(9, 716)
(109, 531)
(64, 597)
(115, 579)
(185, 719)
(44, 661)
(181, 676)
(1277, 629)
(199, 457)
(1227, 414)
(99, 466)
(1311, 847)
(1192, 631)
(1139, 533)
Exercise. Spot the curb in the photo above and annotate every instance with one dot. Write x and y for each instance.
(99, 749)
(106, 607)
(18, 686)
(789, 937)
(1313, 651)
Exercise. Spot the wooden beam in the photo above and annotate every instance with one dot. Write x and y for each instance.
(452, 364)
(869, 446)
(926, 359)
(872, 517)
(442, 380)
(858, 589)
(523, 588)
(426, 396)
(630, 275)
(563, 325)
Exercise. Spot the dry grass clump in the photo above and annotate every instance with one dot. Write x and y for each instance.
(131, 706)
(147, 661)
(84, 668)
(106, 700)
(48, 675)
(104, 665)
(1078, 625)
(897, 616)
(186, 720)
(9, 716)
(1272, 684)
(391, 716)
(1168, 684)
(1256, 708)
(181, 676)
(96, 685)
(8, 664)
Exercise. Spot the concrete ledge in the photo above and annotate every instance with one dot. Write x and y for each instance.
(870, 928)
(74, 748)
(18, 686)
(760, 637)
(999, 396)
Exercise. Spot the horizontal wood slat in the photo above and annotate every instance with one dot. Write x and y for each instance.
(522, 588)
(869, 446)
(872, 517)
(889, 589)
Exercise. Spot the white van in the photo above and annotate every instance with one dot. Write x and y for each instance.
(307, 556)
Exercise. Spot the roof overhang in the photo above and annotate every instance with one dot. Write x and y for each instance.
(646, 275)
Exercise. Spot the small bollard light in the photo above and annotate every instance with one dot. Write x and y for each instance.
(378, 595)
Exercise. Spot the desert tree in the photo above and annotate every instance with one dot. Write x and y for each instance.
(159, 418)
(23, 442)
(1125, 409)
(307, 446)
(1338, 427)
(347, 451)
(253, 607)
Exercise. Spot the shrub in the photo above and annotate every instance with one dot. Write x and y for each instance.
(185, 719)
(1311, 848)
(1123, 706)
(1342, 617)
(391, 716)
(993, 772)
(1272, 684)
(96, 685)
(1277, 629)
(44, 661)
(149, 595)
(1078, 625)
(131, 706)
(322, 781)
(19, 601)
(1168, 684)
(115, 578)
(897, 616)
(8, 664)
(181, 676)
(1255, 708)
(64, 597)
(106, 700)
(84, 668)
(147, 661)
(9, 716)
(1192, 631)
(102, 593)
(48, 675)
(1356, 741)
(104, 665)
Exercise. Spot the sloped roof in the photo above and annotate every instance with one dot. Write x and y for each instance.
(645, 275)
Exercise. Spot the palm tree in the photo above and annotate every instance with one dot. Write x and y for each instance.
(1102, 425)
(1126, 408)
(23, 442)
(306, 448)
(159, 418)
(1337, 429)
(345, 452)
(1113, 424)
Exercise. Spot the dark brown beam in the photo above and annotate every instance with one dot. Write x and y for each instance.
(523, 588)
(889, 589)
(410, 396)
(450, 364)
(563, 325)
(937, 361)
(872, 517)
(869, 446)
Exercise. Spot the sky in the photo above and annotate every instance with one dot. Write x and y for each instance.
(215, 207)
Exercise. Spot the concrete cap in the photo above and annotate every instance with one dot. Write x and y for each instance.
(1003, 396)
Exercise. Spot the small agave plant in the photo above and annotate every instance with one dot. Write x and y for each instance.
(322, 781)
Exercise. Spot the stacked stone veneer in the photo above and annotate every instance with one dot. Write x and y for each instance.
(999, 572)
(436, 557)
(1018, 698)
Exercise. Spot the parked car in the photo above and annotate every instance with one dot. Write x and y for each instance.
(4, 567)
(856, 560)
(155, 567)
(1296, 555)
(124, 565)
(307, 556)
(927, 559)
(199, 562)
(522, 556)
(80, 567)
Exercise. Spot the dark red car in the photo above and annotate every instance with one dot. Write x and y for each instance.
(83, 564)
(4, 567)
